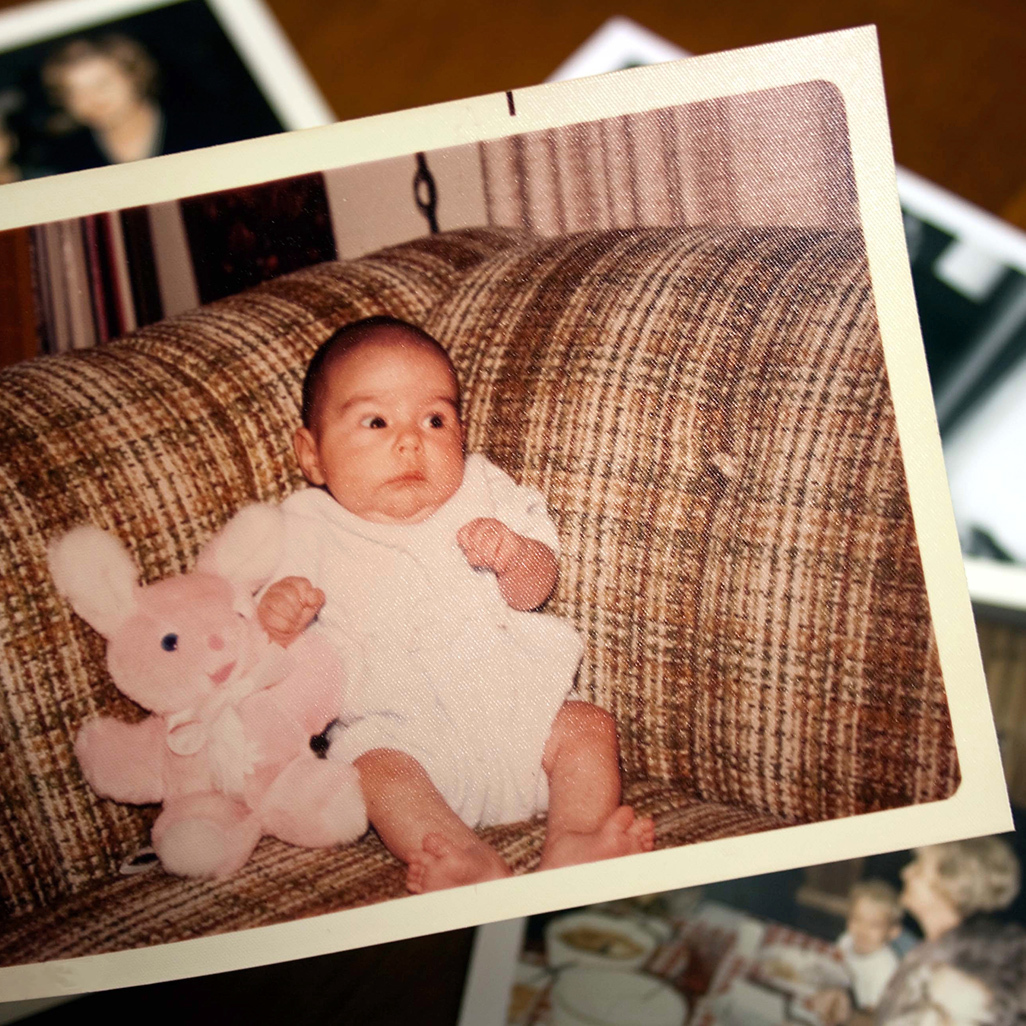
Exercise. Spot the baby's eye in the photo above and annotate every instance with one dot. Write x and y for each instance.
(435, 420)
(373, 422)
(169, 642)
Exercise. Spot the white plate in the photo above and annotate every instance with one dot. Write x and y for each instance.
(799, 971)
(606, 942)
(592, 997)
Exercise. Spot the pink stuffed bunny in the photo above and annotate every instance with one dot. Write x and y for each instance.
(227, 747)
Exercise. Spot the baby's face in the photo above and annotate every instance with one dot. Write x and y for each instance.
(870, 925)
(388, 442)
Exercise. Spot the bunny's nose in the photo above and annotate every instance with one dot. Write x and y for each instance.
(216, 642)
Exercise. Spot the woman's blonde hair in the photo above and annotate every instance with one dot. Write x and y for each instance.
(981, 874)
(128, 54)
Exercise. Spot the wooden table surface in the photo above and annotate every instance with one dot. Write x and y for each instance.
(955, 79)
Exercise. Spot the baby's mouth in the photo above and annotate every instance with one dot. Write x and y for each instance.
(411, 477)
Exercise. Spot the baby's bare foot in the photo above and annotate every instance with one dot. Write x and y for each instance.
(622, 834)
(444, 863)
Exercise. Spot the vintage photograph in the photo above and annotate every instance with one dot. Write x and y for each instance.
(121, 85)
(500, 507)
(910, 936)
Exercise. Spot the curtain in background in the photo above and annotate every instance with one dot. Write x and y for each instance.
(776, 157)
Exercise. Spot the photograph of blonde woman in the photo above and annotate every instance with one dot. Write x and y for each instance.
(105, 90)
(125, 89)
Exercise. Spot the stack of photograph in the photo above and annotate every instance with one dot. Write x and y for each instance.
(465, 515)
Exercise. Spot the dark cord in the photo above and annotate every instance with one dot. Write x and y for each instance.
(425, 194)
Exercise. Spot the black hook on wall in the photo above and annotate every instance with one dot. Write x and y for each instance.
(425, 194)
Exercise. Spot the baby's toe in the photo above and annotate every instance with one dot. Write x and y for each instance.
(415, 876)
(648, 837)
(622, 820)
(642, 834)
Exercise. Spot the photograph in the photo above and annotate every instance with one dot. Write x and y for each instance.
(931, 935)
(86, 86)
(555, 472)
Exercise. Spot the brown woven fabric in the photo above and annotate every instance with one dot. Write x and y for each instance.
(708, 414)
(280, 884)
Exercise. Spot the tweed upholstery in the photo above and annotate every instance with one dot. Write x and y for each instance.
(281, 883)
(706, 410)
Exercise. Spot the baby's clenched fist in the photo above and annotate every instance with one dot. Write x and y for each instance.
(489, 544)
(288, 607)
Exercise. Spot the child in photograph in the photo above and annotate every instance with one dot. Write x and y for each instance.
(873, 923)
(423, 565)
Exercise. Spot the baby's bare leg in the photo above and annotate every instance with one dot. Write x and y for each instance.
(418, 827)
(586, 820)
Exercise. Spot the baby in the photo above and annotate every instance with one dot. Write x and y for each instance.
(422, 566)
(873, 922)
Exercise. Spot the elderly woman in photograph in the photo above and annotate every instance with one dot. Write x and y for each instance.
(970, 969)
(106, 89)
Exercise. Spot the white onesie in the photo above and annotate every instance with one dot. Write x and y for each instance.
(870, 973)
(438, 665)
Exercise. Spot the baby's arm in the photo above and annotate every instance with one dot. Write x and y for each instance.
(288, 607)
(525, 569)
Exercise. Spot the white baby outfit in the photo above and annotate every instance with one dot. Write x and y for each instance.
(438, 665)
(870, 973)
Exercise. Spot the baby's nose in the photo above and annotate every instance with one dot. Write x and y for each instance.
(216, 642)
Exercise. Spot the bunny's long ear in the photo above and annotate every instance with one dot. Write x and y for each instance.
(94, 571)
(247, 550)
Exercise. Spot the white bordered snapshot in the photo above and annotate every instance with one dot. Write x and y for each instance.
(86, 84)
(672, 311)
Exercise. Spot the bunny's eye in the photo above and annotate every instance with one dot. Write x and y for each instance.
(169, 642)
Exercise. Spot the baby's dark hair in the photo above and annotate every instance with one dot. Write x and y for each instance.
(345, 340)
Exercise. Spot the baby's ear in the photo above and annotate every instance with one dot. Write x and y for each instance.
(306, 453)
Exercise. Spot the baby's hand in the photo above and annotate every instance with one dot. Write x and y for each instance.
(288, 607)
(489, 544)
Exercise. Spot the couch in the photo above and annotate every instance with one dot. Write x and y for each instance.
(708, 413)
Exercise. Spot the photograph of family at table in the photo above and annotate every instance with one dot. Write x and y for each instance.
(932, 936)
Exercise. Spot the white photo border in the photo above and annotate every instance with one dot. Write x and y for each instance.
(849, 60)
(251, 28)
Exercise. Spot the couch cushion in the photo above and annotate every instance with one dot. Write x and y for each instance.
(281, 883)
(158, 438)
(708, 412)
